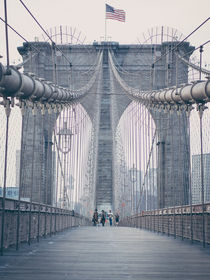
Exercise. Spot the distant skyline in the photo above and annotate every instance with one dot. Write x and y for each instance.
(88, 17)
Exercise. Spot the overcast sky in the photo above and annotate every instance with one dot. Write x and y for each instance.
(89, 17)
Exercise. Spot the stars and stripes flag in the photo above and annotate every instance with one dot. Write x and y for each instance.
(112, 13)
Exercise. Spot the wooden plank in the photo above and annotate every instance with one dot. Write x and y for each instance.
(94, 253)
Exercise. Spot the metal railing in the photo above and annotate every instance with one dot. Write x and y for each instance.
(179, 221)
(35, 221)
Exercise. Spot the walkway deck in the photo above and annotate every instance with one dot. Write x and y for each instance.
(90, 253)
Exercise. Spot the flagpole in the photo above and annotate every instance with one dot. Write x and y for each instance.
(105, 25)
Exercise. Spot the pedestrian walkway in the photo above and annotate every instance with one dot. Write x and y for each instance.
(116, 253)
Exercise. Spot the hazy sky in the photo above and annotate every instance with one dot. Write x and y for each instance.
(89, 17)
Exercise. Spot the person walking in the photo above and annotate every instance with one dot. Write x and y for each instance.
(110, 217)
(103, 217)
(117, 219)
(95, 217)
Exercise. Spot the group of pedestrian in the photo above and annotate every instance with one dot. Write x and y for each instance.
(103, 218)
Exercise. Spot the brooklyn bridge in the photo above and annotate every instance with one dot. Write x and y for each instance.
(122, 128)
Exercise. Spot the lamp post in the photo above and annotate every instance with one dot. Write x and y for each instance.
(123, 172)
(64, 146)
(133, 179)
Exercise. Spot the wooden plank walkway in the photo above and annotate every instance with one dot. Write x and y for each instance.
(90, 253)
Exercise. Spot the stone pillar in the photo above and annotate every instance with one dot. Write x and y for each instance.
(105, 142)
(173, 158)
(38, 157)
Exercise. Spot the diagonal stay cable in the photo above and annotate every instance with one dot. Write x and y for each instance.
(190, 52)
(24, 39)
(180, 43)
(147, 168)
(59, 159)
(192, 65)
(54, 44)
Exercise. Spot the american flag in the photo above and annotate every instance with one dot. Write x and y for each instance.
(112, 13)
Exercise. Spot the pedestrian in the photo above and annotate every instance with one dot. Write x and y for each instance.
(95, 217)
(117, 219)
(103, 217)
(110, 217)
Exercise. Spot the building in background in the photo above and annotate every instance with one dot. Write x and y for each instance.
(196, 178)
(17, 171)
(148, 194)
(11, 192)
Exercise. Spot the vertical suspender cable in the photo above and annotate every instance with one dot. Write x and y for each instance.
(202, 175)
(173, 175)
(77, 160)
(80, 162)
(41, 184)
(47, 185)
(153, 177)
(82, 169)
(137, 163)
(56, 183)
(150, 170)
(140, 158)
(201, 51)
(146, 170)
(144, 207)
(181, 174)
(190, 181)
(145, 159)
(20, 179)
(6, 33)
(168, 127)
(136, 159)
(129, 170)
(133, 158)
(158, 177)
(7, 111)
(72, 162)
(67, 161)
(32, 176)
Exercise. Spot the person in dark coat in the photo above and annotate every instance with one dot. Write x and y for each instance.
(103, 217)
(95, 217)
(117, 219)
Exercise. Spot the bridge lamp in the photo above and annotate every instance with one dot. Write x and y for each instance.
(64, 146)
(64, 139)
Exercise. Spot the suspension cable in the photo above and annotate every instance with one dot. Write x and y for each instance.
(44, 31)
(24, 39)
(180, 43)
(6, 32)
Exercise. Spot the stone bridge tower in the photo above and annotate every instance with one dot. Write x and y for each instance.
(131, 58)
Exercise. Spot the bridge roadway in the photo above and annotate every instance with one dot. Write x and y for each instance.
(90, 253)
